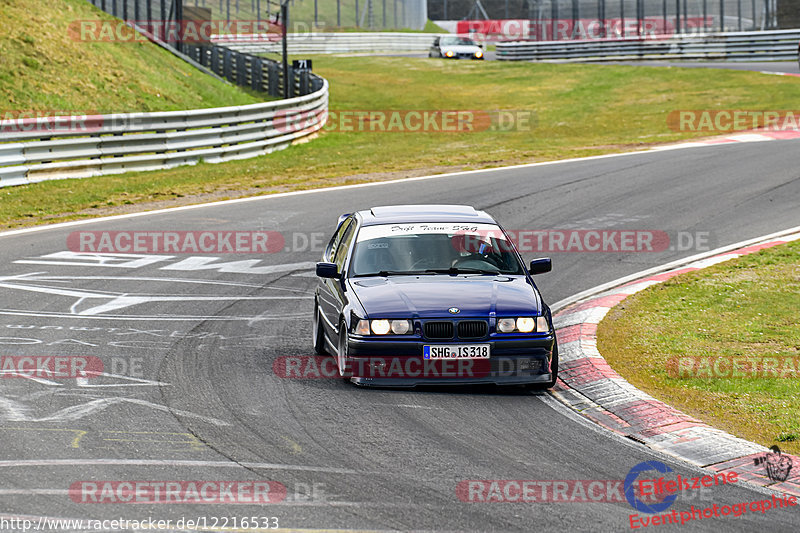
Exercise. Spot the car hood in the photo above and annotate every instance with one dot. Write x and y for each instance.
(461, 48)
(432, 296)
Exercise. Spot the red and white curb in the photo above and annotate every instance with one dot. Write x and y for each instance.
(748, 136)
(591, 387)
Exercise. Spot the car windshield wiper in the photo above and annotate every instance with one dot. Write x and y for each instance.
(385, 273)
(456, 270)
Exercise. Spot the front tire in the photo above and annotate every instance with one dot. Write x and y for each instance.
(342, 358)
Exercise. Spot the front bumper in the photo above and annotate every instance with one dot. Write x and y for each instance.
(399, 363)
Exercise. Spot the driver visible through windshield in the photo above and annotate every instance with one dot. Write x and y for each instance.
(447, 248)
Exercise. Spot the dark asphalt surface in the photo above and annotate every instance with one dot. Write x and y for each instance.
(188, 351)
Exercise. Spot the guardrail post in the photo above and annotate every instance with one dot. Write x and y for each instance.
(227, 57)
(304, 82)
(214, 60)
(257, 75)
(274, 79)
(241, 70)
(289, 81)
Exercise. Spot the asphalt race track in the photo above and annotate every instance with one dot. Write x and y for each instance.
(188, 344)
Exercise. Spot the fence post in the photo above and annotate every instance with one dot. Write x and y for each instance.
(601, 15)
(739, 13)
(554, 17)
(163, 20)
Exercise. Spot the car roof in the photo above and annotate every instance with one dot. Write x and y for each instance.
(394, 214)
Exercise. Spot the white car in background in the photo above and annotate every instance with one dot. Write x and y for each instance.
(455, 47)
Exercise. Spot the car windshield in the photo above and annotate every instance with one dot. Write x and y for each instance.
(442, 248)
(456, 41)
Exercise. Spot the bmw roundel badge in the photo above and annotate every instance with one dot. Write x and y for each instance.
(454, 310)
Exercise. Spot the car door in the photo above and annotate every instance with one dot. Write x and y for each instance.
(337, 286)
(329, 294)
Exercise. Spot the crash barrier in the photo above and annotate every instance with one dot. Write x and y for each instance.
(257, 73)
(328, 43)
(38, 149)
(738, 46)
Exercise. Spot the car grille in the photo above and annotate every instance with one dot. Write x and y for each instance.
(467, 329)
(439, 330)
(472, 329)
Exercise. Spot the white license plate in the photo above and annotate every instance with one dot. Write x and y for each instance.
(456, 351)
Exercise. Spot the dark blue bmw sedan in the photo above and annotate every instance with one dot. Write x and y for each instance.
(428, 295)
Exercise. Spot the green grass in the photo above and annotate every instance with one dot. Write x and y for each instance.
(45, 68)
(580, 110)
(745, 307)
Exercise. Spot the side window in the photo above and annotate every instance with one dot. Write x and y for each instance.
(344, 246)
(334, 242)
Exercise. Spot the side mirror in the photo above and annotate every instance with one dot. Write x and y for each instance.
(541, 265)
(328, 270)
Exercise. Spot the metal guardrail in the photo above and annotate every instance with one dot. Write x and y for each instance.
(80, 147)
(739, 46)
(329, 43)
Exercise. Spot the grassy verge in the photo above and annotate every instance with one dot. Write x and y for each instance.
(43, 67)
(743, 310)
(579, 110)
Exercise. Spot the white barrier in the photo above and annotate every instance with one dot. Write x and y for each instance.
(739, 46)
(328, 43)
(78, 147)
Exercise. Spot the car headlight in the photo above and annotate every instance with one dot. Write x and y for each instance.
(400, 327)
(523, 324)
(449, 53)
(383, 327)
(479, 54)
(506, 325)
